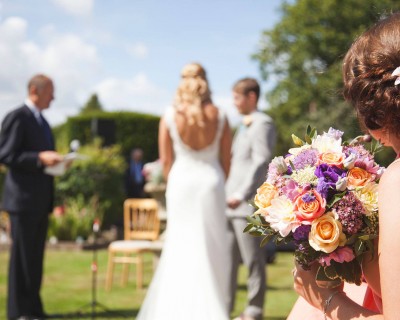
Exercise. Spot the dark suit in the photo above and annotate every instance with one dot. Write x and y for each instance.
(28, 198)
(134, 181)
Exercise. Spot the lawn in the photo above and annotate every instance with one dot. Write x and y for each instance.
(67, 287)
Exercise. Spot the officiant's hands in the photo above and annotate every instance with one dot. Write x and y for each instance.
(49, 158)
(306, 286)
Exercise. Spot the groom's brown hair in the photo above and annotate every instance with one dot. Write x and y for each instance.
(247, 85)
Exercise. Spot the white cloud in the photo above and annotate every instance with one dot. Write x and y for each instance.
(76, 7)
(135, 94)
(138, 50)
(69, 60)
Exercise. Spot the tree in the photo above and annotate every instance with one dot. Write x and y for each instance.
(92, 105)
(304, 52)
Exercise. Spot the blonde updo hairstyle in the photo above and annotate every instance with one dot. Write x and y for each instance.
(192, 93)
(367, 75)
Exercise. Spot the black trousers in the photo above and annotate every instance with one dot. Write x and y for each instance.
(28, 233)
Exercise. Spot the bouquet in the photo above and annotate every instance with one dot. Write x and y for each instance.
(322, 196)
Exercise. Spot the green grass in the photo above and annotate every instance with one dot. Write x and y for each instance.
(67, 286)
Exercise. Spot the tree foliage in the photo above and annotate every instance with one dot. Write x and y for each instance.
(92, 105)
(303, 55)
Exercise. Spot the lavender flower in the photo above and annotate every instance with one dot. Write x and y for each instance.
(305, 158)
(350, 211)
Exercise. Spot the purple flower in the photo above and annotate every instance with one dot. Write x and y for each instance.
(308, 197)
(301, 233)
(350, 211)
(327, 178)
(305, 158)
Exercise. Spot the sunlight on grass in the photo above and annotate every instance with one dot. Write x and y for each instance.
(67, 286)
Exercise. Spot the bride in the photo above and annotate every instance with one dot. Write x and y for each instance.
(194, 145)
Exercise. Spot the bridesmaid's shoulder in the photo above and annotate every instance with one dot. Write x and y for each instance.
(391, 177)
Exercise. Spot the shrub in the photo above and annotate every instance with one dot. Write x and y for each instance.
(101, 176)
(75, 219)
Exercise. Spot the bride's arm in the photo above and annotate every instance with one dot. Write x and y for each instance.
(165, 150)
(342, 307)
(225, 148)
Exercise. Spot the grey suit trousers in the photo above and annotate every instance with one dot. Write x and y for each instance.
(246, 248)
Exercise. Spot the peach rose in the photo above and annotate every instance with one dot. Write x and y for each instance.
(326, 233)
(308, 206)
(331, 158)
(358, 177)
(265, 193)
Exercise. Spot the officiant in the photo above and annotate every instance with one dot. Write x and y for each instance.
(27, 148)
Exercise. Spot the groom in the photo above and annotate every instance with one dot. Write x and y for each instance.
(251, 152)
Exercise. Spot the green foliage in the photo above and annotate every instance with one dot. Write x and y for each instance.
(92, 105)
(303, 53)
(133, 130)
(100, 175)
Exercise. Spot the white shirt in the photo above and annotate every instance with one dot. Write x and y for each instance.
(35, 110)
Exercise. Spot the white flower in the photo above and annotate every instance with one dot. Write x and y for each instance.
(334, 133)
(349, 162)
(341, 184)
(368, 195)
(327, 143)
(281, 216)
(305, 176)
(280, 164)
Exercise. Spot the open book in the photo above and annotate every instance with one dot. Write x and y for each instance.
(60, 168)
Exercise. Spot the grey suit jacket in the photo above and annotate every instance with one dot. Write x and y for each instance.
(251, 152)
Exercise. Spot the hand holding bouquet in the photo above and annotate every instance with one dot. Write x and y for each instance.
(323, 197)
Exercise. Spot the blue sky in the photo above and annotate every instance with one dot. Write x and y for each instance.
(130, 52)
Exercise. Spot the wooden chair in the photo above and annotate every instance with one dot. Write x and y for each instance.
(141, 231)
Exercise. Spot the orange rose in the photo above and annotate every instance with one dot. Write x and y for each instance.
(331, 158)
(357, 177)
(326, 233)
(309, 205)
(265, 193)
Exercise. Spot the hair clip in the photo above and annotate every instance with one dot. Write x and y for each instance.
(396, 72)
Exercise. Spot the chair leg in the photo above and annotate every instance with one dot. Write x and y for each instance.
(125, 272)
(110, 270)
(139, 271)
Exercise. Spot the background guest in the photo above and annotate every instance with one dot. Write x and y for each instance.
(134, 178)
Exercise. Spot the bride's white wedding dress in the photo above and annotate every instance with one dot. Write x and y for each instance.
(191, 280)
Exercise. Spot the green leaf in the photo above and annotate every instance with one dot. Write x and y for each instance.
(336, 198)
(308, 130)
(266, 240)
(308, 139)
(297, 141)
(248, 228)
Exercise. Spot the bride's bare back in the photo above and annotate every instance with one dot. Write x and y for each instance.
(195, 136)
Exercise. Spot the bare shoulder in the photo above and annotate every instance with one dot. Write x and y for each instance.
(211, 111)
(391, 176)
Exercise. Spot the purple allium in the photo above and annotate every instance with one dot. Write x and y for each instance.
(305, 158)
(350, 211)
(301, 233)
(327, 178)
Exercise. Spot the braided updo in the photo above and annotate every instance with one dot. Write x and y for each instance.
(367, 75)
(193, 91)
